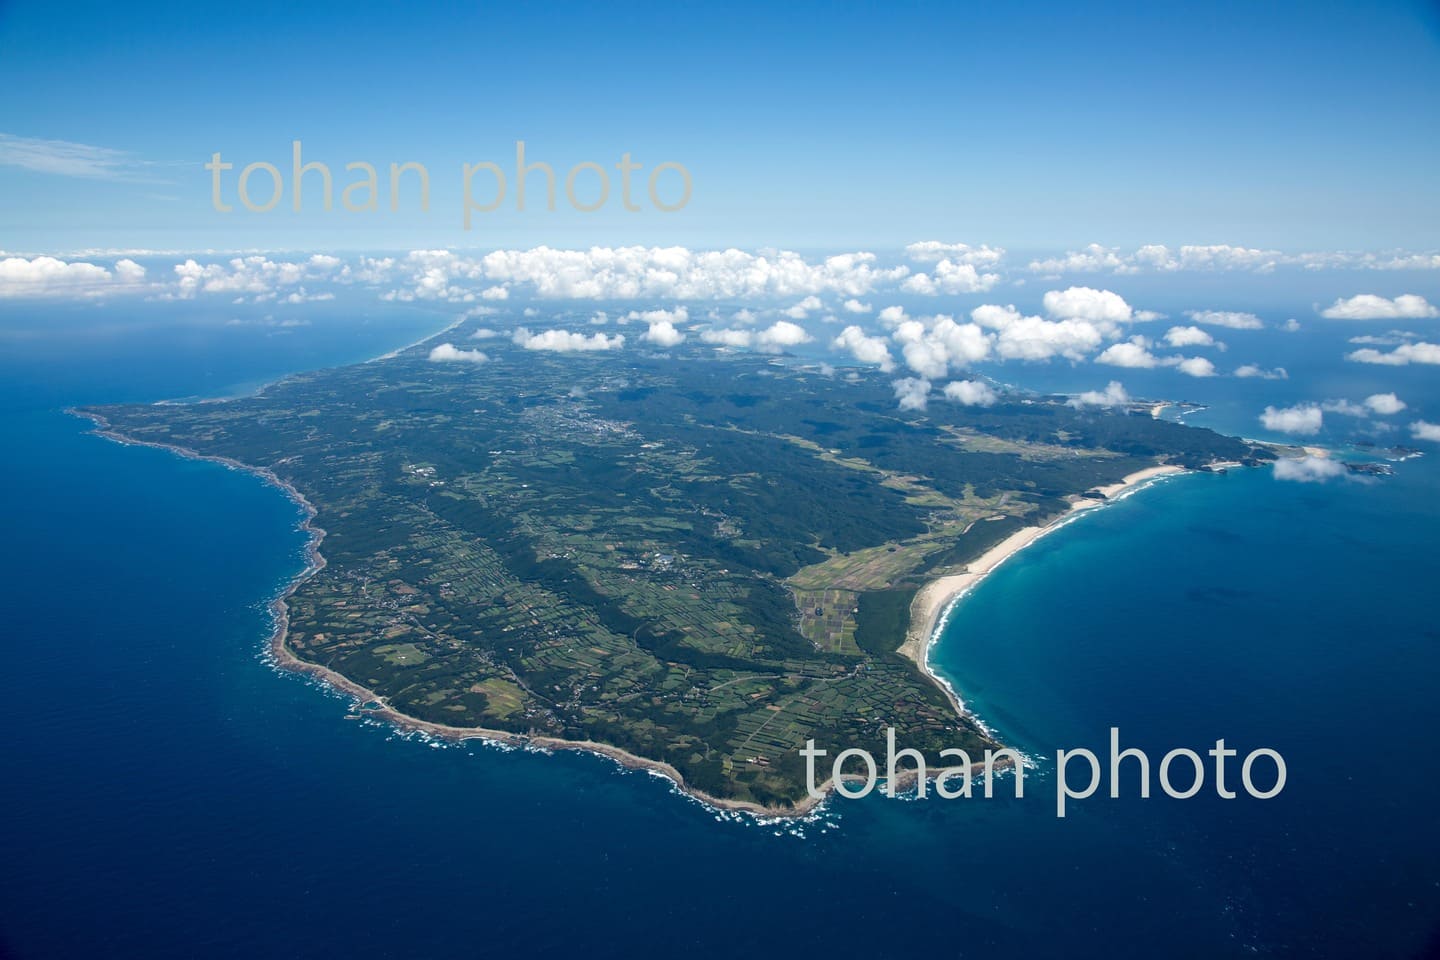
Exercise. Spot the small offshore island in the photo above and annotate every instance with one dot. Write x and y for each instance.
(690, 562)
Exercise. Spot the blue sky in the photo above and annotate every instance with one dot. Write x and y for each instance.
(1288, 126)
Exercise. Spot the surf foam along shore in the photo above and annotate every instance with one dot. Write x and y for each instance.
(371, 704)
(932, 606)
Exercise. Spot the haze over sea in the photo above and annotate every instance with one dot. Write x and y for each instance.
(170, 794)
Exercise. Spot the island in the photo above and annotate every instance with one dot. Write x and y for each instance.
(691, 561)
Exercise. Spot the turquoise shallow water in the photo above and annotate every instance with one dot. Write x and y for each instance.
(169, 794)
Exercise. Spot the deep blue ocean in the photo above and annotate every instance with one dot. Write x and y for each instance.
(169, 794)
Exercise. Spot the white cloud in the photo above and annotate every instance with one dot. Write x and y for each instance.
(1020, 337)
(1301, 419)
(255, 276)
(1113, 395)
(1221, 256)
(913, 393)
(678, 273)
(1345, 408)
(932, 251)
(495, 293)
(484, 333)
(780, 335)
(662, 333)
(1421, 430)
(1308, 469)
(564, 341)
(1158, 258)
(67, 159)
(950, 277)
(1093, 259)
(1291, 326)
(804, 308)
(864, 348)
(971, 393)
(1368, 306)
(728, 338)
(932, 346)
(50, 277)
(892, 316)
(1086, 303)
(1255, 370)
(1188, 337)
(1131, 353)
(1402, 355)
(300, 296)
(129, 272)
(1196, 367)
(1391, 339)
(680, 315)
(1233, 319)
(449, 353)
(855, 306)
(1385, 404)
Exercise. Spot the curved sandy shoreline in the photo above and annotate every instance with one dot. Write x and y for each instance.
(927, 615)
(932, 605)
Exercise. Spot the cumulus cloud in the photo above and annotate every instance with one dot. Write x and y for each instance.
(662, 333)
(1381, 404)
(449, 353)
(255, 276)
(728, 338)
(892, 316)
(1020, 337)
(1188, 337)
(1086, 303)
(1345, 408)
(51, 277)
(1113, 395)
(1196, 367)
(971, 393)
(1308, 469)
(855, 306)
(804, 308)
(565, 341)
(1130, 353)
(1291, 326)
(1368, 306)
(782, 334)
(1304, 419)
(1406, 353)
(933, 251)
(933, 345)
(1385, 404)
(1421, 430)
(1158, 258)
(1255, 370)
(949, 277)
(1393, 338)
(678, 273)
(866, 349)
(913, 393)
(484, 333)
(1092, 259)
(1233, 319)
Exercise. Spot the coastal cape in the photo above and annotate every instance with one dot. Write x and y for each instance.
(690, 565)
